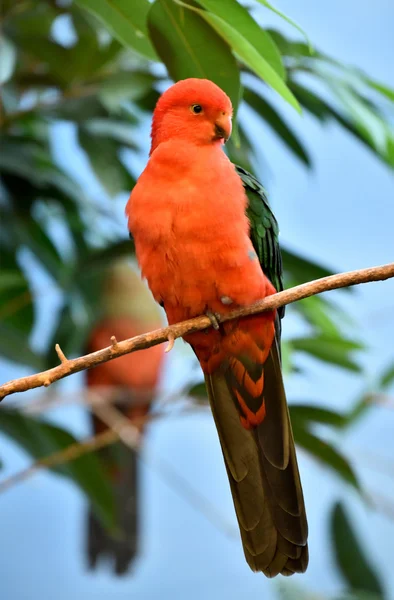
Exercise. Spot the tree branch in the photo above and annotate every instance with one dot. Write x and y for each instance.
(116, 349)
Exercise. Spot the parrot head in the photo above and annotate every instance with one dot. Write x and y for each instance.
(196, 110)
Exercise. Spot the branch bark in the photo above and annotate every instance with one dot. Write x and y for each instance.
(140, 342)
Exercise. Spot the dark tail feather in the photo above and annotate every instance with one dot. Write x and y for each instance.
(263, 474)
(123, 546)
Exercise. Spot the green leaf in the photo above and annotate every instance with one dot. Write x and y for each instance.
(14, 346)
(199, 390)
(125, 20)
(240, 19)
(7, 59)
(321, 314)
(125, 86)
(72, 328)
(350, 557)
(362, 406)
(290, 21)
(387, 377)
(277, 124)
(355, 115)
(76, 110)
(365, 119)
(120, 131)
(325, 453)
(105, 162)
(311, 102)
(39, 439)
(240, 154)
(190, 48)
(333, 350)
(380, 87)
(16, 308)
(248, 55)
(301, 269)
(316, 414)
(31, 234)
(359, 595)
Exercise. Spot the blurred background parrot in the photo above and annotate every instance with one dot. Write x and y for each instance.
(200, 253)
(127, 309)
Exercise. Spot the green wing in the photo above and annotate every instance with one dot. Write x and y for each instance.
(264, 230)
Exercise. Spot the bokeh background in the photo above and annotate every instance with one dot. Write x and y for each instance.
(78, 89)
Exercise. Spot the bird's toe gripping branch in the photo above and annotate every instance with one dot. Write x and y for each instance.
(214, 318)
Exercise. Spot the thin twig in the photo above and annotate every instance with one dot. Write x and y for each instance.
(68, 454)
(192, 325)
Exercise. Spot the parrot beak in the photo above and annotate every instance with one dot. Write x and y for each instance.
(223, 127)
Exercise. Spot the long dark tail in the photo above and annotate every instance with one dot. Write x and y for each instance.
(262, 469)
(123, 547)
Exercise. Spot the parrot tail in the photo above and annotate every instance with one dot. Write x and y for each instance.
(262, 468)
(121, 547)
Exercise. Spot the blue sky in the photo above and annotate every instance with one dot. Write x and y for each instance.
(341, 214)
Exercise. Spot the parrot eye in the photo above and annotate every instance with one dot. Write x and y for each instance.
(196, 109)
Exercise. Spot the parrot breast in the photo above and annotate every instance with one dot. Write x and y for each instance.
(187, 217)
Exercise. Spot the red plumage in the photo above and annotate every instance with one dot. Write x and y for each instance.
(187, 217)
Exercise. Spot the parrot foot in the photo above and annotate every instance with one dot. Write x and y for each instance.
(226, 300)
(214, 318)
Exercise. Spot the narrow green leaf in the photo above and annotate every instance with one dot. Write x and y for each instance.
(125, 20)
(358, 595)
(316, 414)
(240, 19)
(16, 308)
(354, 115)
(248, 54)
(311, 102)
(302, 269)
(350, 557)
(15, 347)
(39, 438)
(119, 130)
(278, 124)
(387, 377)
(325, 453)
(190, 48)
(72, 327)
(105, 162)
(289, 20)
(321, 314)
(240, 154)
(363, 405)
(380, 87)
(333, 350)
(93, 264)
(199, 390)
(7, 59)
(31, 234)
(125, 86)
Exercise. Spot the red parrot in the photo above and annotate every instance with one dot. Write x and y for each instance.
(127, 310)
(187, 215)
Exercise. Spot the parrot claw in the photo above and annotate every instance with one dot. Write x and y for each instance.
(170, 345)
(214, 318)
(226, 300)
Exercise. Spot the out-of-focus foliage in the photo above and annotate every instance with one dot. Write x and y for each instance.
(41, 439)
(359, 575)
(98, 66)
